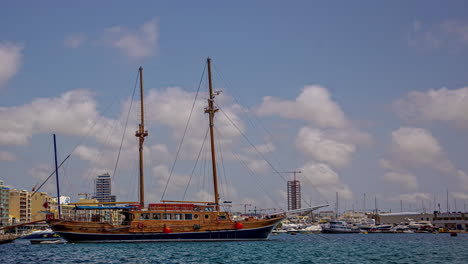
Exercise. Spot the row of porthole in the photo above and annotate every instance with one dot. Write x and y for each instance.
(167, 216)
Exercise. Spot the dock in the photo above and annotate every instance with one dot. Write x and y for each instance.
(7, 238)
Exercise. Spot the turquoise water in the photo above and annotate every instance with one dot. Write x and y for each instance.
(283, 248)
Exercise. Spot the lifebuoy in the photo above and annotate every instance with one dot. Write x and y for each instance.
(140, 225)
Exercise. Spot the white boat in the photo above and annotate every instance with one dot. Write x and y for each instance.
(338, 227)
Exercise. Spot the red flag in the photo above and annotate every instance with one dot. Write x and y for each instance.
(45, 205)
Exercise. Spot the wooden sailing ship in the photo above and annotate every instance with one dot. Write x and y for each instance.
(167, 220)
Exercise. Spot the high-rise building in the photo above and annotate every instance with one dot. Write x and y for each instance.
(4, 204)
(294, 195)
(103, 189)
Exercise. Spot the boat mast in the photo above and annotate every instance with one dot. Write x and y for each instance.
(57, 181)
(141, 134)
(211, 110)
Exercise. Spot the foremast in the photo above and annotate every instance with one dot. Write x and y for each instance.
(211, 110)
(141, 134)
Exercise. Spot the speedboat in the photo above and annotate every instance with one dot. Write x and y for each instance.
(40, 234)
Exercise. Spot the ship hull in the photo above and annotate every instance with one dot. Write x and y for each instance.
(261, 233)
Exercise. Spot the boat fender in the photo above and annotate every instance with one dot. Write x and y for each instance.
(167, 230)
(140, 225)
(238, 225)
(196, 226)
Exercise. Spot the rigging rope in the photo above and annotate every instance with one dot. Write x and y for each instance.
(196, 162)
(183, 136)
(125, 127)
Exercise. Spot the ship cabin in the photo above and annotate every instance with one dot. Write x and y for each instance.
(181, 217)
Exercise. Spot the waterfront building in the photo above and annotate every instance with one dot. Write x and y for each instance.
(451, 221)
(103, 189)
(20, 206)
(40, 204)
(4, 204)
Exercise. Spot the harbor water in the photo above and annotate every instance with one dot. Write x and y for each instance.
(282, 248)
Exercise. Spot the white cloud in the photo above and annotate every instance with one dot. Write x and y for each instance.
(414, 197)
(325, 180)
(172, 106)
(258, 166)
(314, 105)
(449, 34)
(10, 60)
(436, 105)
(7, 156)
(415, 146)
(316, 144)
(75, 40)
(405, 180)
(460, 195)
(134, 44)
(264, 148)
(72, 113)
(389, 165)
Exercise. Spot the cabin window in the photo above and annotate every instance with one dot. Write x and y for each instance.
(222, 217)
(177, 216)
(145, 216)
(207, 216)
(157, 216)
(208, 209)
(195, 216)
(188, 216)
(167, 216)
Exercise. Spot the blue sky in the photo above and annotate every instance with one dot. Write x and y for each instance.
(364, 97)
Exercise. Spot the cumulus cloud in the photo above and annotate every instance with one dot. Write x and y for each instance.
(7, 156)
(316, 144)
(314, 104)
(415, 146)
(135, 44)
(74, 40)
(329, 137)
(72, 113)
(325, 180)
(405, 180)
(172, 106)
(10, 61)
(436, 105)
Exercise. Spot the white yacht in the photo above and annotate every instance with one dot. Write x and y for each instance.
(338, 227)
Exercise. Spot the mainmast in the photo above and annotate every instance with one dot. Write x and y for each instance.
(211, 110)
(141, 134)
(57, 181)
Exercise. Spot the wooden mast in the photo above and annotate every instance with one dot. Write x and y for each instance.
(141, 134)
(211, 110)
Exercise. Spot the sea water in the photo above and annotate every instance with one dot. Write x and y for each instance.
(283, 248)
